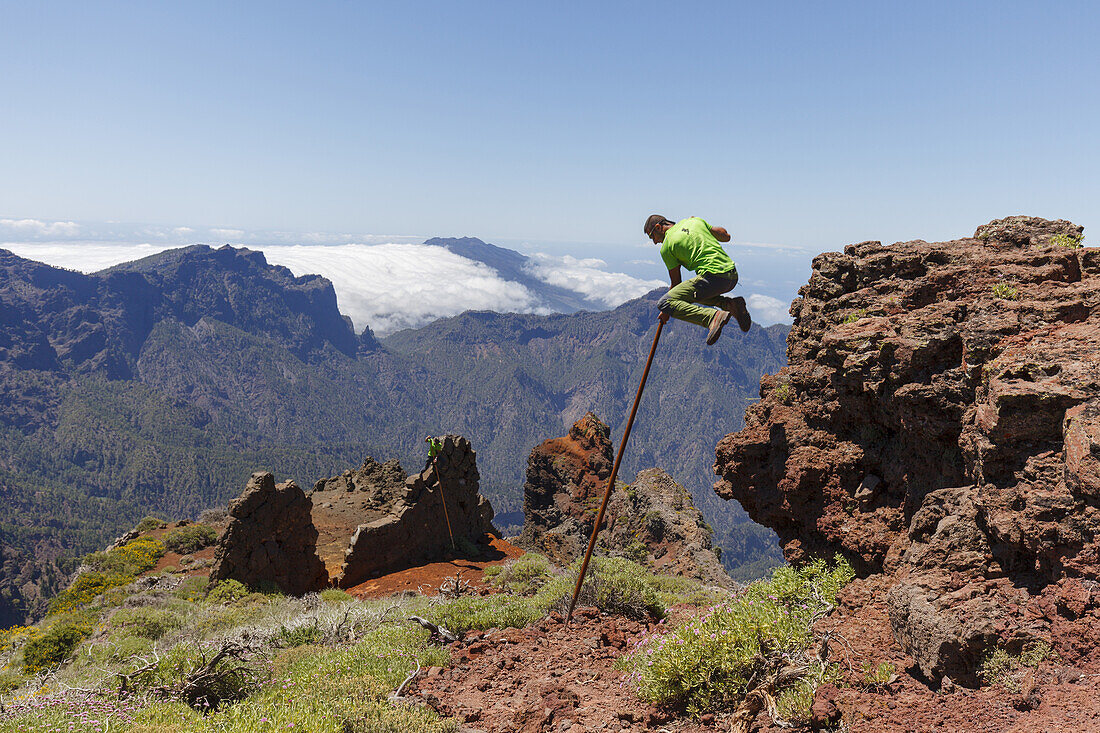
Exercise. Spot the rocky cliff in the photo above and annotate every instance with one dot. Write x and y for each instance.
(358, 525)
(427, 516)
(270, 538)
(651, 521)
(939, 425)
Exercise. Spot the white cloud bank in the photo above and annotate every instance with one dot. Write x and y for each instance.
(767, 310)
(589, 278)
(387, 285)
(35, 229)
(394, 286)
(82, 256)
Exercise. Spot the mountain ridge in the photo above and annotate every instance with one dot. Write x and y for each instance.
(218, 365)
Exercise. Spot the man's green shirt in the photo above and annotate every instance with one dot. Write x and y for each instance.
(434, 447)
(690, 243)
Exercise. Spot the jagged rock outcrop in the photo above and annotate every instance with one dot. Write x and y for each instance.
(652, 521)
(938, 424)
(406, 524)
(270, 538)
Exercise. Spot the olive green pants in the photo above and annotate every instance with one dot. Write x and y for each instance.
(683, 301)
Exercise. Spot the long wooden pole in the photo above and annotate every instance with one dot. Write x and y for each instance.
(614, 473)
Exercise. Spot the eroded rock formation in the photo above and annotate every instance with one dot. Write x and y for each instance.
(270, 538)
(400, 524)
(652, 521)
(939, 425)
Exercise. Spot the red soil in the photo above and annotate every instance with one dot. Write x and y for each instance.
(427, 578)
(547, 677)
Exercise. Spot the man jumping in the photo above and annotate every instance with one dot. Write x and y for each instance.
(695, 244)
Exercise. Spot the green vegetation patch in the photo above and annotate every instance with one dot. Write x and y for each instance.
(145, 622)
(1006, 291)
(853, 317)
(149, 523)
(1067, 240)
(1000, 666)
(711, 662)
(190, 538)
(523, 576)
(55, 646)
(107, 570)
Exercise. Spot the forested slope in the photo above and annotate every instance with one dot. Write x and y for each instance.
(159, 386)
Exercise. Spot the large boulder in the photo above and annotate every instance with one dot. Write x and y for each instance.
(652, 521)
(937, 424)
(270, 538)
(406, 524)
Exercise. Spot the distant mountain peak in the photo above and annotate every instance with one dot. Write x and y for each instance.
(513, 266)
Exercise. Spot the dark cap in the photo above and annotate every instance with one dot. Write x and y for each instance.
(652, 222)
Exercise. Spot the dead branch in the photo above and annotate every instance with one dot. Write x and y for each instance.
(397, 695)
(437, 631)
(454, 586)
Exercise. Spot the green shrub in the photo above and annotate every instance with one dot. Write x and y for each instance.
(226, 591)
(674, 590)
(784, 393)
(190, 538)
(853, 317)
(710, 662)
(134, 557)
(54, 646)
(878, 675)
(523, 576)
(1067, 240)
(149, 523)
(636, 551)
(148, 623)
(116, 648)
(466, 548)
(230, 680)
(612, 584)
(193, 588)
(299, 635)
(1006, 291)
(999, 666)
(9, 680)
(268, 588)
(86, 587)
(485, 612)
(15, 635)
(335, 595)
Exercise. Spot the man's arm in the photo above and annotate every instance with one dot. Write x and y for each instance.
(720, 234)
(674, 276)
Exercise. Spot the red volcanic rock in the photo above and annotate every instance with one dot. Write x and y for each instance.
(938, 424)
(652, 521)
(270, 538)
(402, 524)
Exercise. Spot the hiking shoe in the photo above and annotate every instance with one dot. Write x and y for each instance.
(741, 313)
(718, 320)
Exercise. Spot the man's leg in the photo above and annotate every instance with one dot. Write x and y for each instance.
(680, 302)
(717, 284)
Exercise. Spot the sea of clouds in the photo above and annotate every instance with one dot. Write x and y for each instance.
(386, 282)
(390, 281)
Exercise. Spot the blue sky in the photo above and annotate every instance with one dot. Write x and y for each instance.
(803, 124)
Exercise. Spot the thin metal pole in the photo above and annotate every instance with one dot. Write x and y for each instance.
(614, 473)
(439, 480)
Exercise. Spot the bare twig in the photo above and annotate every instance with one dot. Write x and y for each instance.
(397, 695)
(447, 636)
